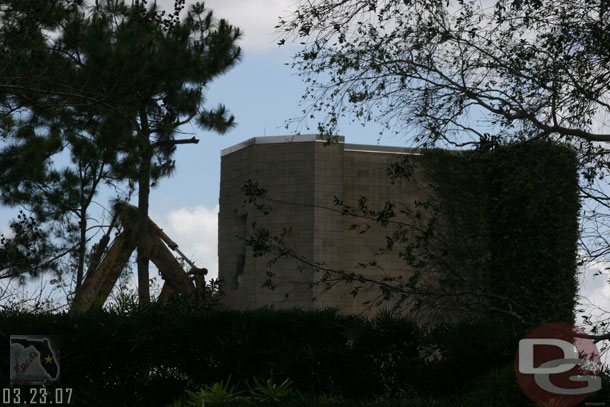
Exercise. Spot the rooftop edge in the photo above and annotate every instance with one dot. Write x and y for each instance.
(317, 138)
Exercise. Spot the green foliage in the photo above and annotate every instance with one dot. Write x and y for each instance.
(497, 388)
(219, 393)
(332, 360)
(378, 402)
(26, 251)
(533, 208)
(515, 209)
(109, 88)
(120, 358)
(269, 391)
(458, 354)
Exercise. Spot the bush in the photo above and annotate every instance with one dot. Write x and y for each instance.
(466, 351)
(497, 388)
(152, 354)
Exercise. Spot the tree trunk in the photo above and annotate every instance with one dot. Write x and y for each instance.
(81, 247)
(143, 196)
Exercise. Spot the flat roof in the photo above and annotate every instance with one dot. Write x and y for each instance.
(318, 138)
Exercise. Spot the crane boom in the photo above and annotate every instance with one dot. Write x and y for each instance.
(103, 275)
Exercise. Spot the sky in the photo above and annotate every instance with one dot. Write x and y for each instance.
(263, 92)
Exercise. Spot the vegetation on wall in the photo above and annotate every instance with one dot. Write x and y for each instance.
(509, 226)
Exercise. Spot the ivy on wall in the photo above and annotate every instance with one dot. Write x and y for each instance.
(509, 216)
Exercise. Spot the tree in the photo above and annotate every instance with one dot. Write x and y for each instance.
(159, 70)
(23, 252)
(530, 69)
(465, 74)
(27, 253)
(38, 103)
(130, 76)
(60, 198)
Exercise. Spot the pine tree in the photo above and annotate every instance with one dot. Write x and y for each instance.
(123, 79)
(58, 197)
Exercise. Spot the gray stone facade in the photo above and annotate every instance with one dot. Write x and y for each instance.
(303, 175)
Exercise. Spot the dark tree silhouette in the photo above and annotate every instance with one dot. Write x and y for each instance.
(112, 83)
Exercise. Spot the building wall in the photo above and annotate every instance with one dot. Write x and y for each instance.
(328, 224)
(303, 176)
(365, 174)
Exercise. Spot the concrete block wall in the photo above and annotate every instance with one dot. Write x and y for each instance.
(303, 175)
(365, 174)
(328, 222)
(286, 171)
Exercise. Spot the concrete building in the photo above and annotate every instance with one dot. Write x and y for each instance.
(303, 177)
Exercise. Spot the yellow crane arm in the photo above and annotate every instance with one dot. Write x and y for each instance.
(102, 276)
(99, 281)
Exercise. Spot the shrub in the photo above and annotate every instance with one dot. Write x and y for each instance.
(150, 355)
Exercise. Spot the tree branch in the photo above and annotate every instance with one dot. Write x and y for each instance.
(191, 140)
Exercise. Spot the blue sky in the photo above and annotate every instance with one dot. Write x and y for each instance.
(262, 92)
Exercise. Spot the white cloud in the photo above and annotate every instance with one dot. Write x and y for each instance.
(195, 231)
(6, 230)
(255, 18)
(594, 290)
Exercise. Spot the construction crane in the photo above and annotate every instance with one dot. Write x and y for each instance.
(106, 266)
